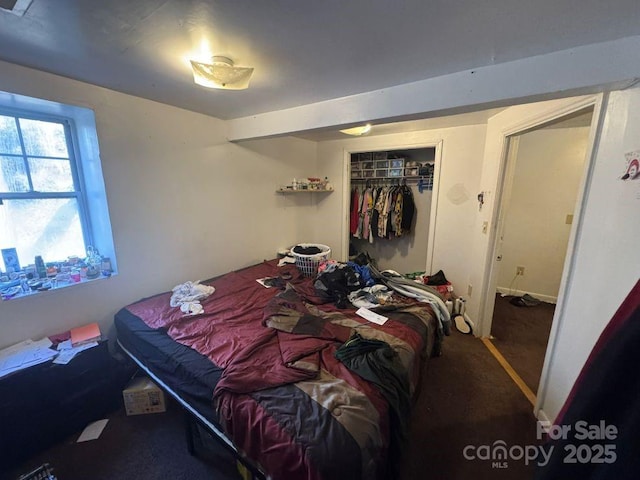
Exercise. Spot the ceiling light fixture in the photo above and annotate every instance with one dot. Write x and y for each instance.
(221, 73)
(357, 131)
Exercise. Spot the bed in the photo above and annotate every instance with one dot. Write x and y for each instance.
(259, 369)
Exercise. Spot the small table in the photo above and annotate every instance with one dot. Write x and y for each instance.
(45, 403)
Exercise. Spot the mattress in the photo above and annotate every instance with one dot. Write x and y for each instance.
(273, 389)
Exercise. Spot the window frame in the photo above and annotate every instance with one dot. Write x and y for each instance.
(75, 161)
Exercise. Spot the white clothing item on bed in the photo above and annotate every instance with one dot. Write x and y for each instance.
(370, 297)
(187, 296)
(192, 308)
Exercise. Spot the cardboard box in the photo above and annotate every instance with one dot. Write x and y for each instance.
(143, 396)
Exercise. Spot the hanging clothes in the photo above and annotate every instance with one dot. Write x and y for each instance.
(358, 233)
(375, 214)
(408, 209)
(396, 217)
(354, 210)
(381, 212)
(367, 208)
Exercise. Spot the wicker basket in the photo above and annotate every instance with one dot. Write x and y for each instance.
(308, 264)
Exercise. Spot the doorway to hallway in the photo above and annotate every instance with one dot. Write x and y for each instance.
(544, 170)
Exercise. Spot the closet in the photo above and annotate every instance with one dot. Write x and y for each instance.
(399, 241)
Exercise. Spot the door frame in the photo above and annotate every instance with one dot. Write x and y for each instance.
(598, 103)
(437, 168)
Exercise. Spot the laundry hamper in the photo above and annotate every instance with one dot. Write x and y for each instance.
(308, 264)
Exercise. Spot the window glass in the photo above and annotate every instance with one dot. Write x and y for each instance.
(9, 140)
(46, 139)
(51, 175)
(13, 175)
(48, 227)
(44, 211)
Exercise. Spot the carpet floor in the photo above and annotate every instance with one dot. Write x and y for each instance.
(465, 399)
(521, 335)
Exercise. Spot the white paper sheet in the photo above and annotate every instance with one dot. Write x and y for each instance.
(25, 354)
(66, 355)
(371, 316)
(92, 431)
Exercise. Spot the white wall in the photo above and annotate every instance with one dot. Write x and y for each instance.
(607, 257)
(461, 165)
(185, 204)
(547, 175)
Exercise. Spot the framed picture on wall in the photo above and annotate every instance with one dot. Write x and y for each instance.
(10, 259)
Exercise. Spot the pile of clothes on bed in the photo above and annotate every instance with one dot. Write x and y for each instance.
(353, 283)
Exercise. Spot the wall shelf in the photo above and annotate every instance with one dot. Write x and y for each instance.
(304, 190)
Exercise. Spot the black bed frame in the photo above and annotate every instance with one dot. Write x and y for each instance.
(193, 417)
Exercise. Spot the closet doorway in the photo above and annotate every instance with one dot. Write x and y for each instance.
(544, 170)
(413, 170)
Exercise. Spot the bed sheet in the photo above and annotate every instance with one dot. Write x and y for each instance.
(281, 396)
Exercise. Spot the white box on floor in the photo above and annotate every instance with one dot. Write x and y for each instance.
(143, 396)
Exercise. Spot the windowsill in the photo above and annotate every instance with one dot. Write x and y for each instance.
(64, 286)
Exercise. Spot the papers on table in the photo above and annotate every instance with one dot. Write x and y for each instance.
(28, 353)
(85, 334)
(67, 352)
(25, 354)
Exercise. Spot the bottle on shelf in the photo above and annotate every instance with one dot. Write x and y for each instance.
(40, 268)
(23, 283)
(294, 184)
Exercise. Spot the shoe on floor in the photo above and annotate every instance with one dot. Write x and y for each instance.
(525, 301)
(461, 324)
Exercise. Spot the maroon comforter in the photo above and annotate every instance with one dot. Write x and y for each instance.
(285, 401)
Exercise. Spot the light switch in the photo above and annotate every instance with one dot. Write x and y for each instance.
(569, 219)
(485, 226)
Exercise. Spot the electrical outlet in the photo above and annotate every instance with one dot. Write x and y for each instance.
(519, 270)
(469, 289)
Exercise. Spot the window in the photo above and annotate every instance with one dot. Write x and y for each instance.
(53, 202)
(43, 211)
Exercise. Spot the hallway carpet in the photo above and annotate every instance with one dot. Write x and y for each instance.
(465, 398)
(521, 335)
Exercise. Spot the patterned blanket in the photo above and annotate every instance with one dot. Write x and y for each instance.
(284, 398)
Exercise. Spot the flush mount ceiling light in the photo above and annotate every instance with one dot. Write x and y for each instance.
(221, 73)
(17, 7)
(357, 131)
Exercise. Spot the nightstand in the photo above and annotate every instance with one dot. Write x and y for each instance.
(45, 403)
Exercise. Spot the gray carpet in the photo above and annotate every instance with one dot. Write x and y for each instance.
(140, 447)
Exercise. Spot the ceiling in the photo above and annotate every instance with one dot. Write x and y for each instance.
(448, 121)
(303, 52)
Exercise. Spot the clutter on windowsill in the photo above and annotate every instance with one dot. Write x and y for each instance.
(41, 277)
